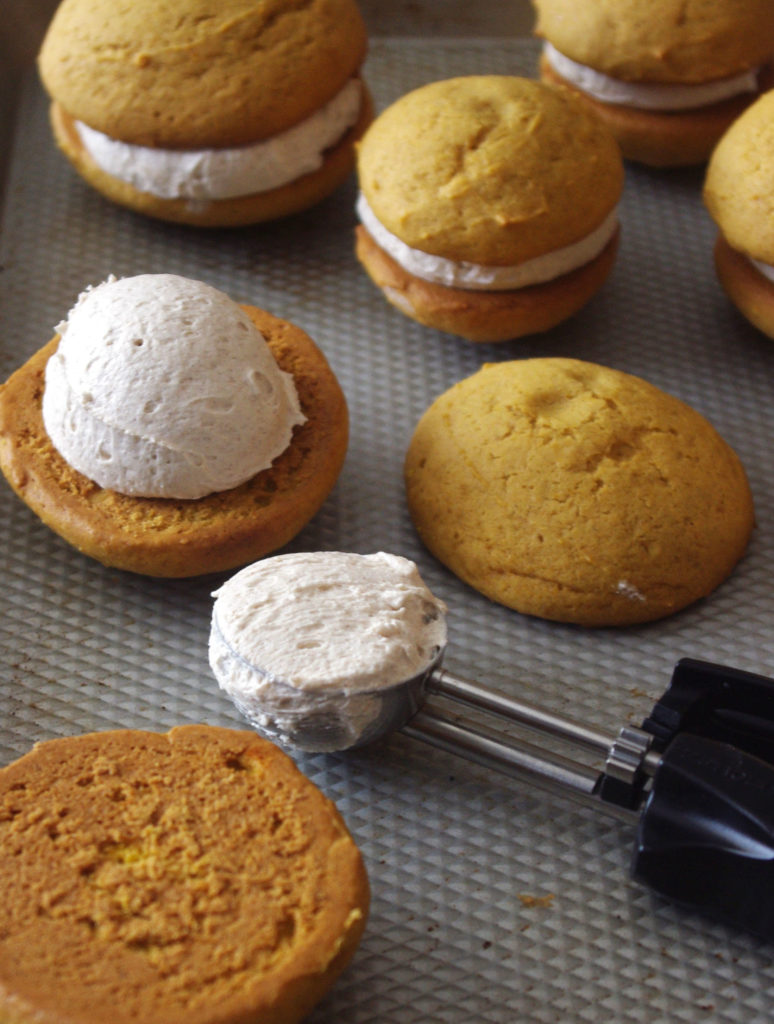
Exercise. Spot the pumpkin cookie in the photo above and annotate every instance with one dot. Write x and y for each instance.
(739, 194)
(667, 77)
(576, 492)
(192, 877)
(211, 114)
(488, 205)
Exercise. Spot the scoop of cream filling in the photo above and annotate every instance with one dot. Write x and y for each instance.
(309, 645)
(163, 387)
(649, 95)
(476, 276)
(207, 174)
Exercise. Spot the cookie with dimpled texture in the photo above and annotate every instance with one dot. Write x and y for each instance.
(578, 493)
(188, 877)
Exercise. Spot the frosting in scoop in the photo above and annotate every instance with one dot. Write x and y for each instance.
(310, 644)
(163, 387)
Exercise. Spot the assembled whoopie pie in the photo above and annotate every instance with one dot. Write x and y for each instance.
(208, 113)
(189, 877)
(667, 76)
(488, 205)
(576, 492)
(169, 431)
(739, 194)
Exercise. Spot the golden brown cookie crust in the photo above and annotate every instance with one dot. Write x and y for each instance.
(279, 202)
(191, 877)
(492, 169)
(746, 287)
(484, 316)
(660, 40)
(176, 538)
(739, 184)
(199, 73)
(666, 138)
(577, 493)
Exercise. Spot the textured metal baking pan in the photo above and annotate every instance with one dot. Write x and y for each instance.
(491, 902)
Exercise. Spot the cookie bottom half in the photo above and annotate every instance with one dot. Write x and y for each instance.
(189, 877)
(176, 538)
(485, 316)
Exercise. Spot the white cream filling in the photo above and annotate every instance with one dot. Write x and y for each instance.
(206, 174)
(329, 621)
(309, 645)
(477, 277)
(648, 95)
(763, 268)
(163, 387)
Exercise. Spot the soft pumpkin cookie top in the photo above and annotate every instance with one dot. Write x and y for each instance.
(577, 492)
(739, 186)
(199, 73)
(493, 169)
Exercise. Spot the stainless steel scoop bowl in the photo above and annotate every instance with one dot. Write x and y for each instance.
(339, 720)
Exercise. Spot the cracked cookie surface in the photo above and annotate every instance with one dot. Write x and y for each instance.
(576, 492)
(493, 169)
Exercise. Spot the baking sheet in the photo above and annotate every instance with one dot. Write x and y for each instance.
(491, 901)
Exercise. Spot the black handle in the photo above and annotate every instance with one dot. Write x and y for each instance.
(706, 835)
(719, 702)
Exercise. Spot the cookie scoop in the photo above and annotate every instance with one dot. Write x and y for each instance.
(316, 648)
(694, 779)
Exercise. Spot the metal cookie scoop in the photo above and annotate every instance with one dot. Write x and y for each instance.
(327, 720)
(696, 779)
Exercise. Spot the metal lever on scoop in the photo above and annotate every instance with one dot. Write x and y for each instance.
(697, 779)
(512, 756)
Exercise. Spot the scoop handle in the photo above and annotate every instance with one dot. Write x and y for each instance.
(705, 837)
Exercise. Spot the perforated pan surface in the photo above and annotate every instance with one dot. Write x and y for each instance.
(491, 901)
